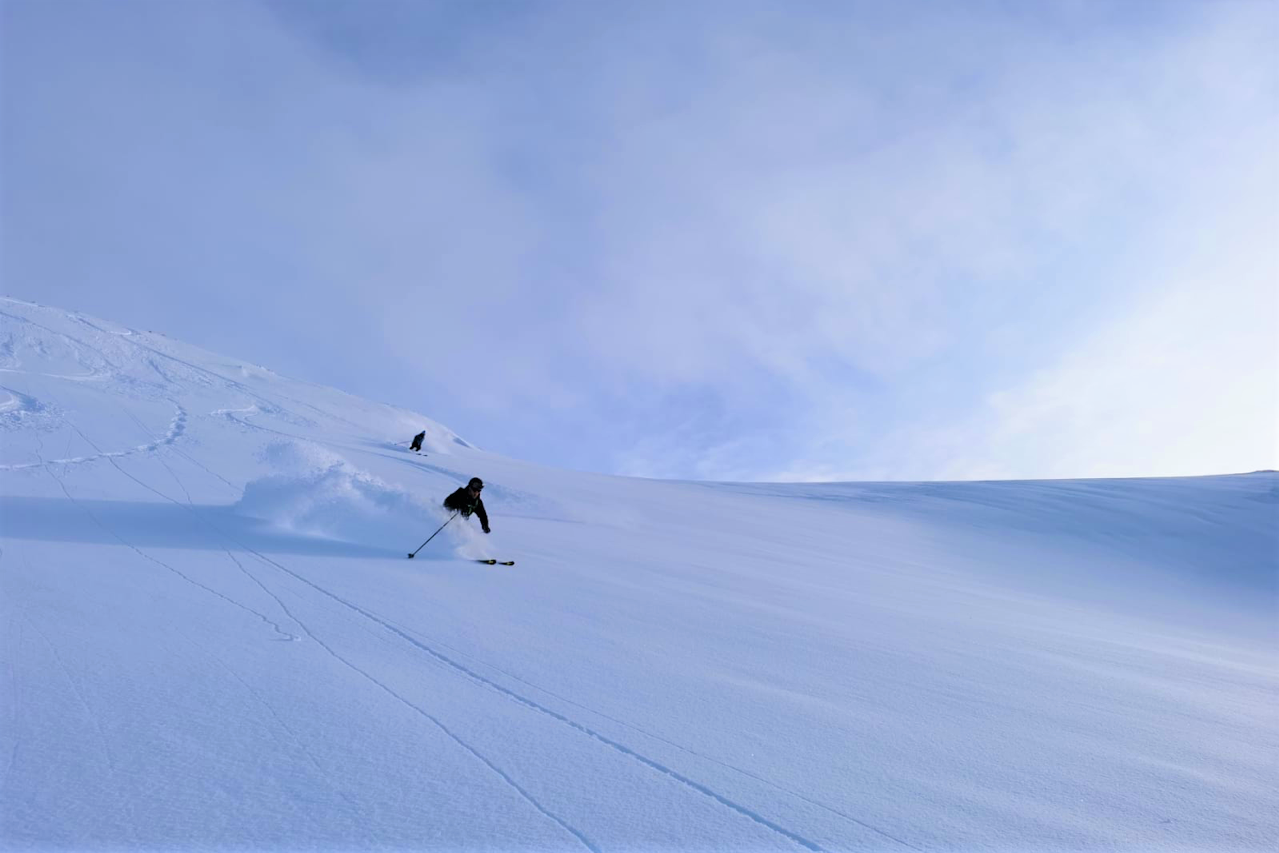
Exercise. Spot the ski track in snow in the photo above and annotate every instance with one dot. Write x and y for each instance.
(291, 743)
(641, 730)
(508, 694)
(275, 626)
(577, 834)
(580, 727)
(285, 635)
(76, 346)
(177, 427)
(84, 377)
(89, 710)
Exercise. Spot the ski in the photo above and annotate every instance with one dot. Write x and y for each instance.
(497, 562)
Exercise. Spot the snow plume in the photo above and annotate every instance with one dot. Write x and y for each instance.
(467, 540)
(316, 492)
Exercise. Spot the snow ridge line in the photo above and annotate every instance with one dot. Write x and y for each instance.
(237, 385)
(64, 336)
(130, 337)
(625, 750)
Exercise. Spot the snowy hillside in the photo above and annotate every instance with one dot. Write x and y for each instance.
(212, 638)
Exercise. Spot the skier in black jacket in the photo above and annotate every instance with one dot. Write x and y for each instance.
(467, 501)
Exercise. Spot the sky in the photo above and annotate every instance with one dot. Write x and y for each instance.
(716, 240)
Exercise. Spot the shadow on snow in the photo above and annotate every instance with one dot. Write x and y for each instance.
(164, 525)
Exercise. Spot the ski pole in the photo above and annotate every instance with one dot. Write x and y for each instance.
(432, 536)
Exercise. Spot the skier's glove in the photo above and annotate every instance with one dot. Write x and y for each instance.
(486, 530)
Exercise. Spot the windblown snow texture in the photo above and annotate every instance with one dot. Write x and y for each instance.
(212, 638)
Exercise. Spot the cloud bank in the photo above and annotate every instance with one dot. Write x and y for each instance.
(731, 240)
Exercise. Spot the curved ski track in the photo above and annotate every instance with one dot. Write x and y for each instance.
(177, 426)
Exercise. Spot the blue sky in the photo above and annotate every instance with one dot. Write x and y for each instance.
(726, 240)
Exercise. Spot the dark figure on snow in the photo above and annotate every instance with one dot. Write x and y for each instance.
(417, 441)
(467, 501)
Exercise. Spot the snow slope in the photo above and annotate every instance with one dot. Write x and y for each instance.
(212, 638)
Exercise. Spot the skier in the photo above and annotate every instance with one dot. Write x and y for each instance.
(467, 501)
(417, 441)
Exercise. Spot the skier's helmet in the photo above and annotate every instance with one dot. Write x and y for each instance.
(476, 483)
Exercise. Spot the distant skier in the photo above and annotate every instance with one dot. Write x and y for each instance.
(467, 501)
(417, 441)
